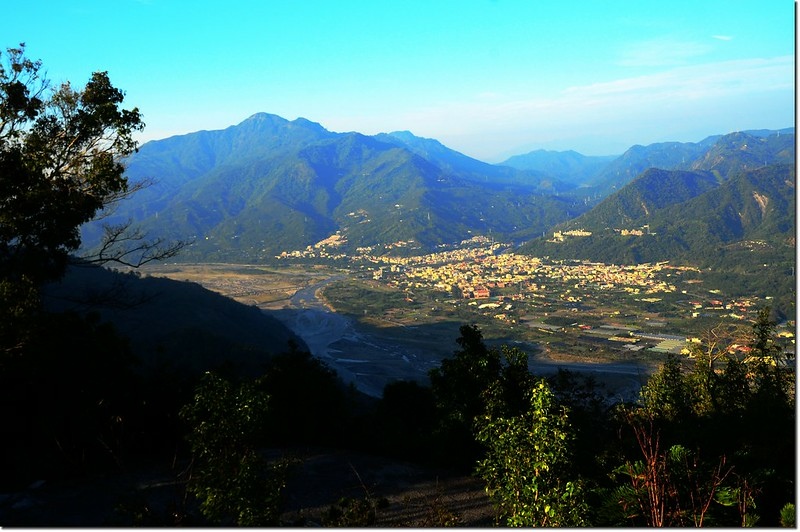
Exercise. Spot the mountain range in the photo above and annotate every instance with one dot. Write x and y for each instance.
(680, 214)
(267, 185)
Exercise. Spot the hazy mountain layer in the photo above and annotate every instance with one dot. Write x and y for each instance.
(688, 213)
(566, 166)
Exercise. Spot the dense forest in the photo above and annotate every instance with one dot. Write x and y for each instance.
(709, 443)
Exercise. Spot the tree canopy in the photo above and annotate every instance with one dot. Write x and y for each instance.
(62, 154)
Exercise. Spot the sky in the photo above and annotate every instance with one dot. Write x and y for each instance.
(488, 78)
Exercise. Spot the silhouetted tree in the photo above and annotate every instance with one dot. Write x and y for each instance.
(713, 444)
(405, 420)
(308, 401)
(61, 163)
(457, 386)
(68, 377)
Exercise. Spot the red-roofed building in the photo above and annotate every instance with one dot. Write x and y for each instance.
(481, 292)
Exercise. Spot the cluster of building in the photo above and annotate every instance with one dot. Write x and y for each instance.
(480, 273)
(559, 236)
(328, 249)
(477, 268)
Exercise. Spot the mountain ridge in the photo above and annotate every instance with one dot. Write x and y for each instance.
(741, 230)
(267, 185)
(175, 325)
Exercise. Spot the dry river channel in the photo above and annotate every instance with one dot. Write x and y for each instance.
(370, 359)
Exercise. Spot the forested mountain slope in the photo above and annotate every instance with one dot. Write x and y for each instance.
(269, 185)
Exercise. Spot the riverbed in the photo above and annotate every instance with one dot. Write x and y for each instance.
(370, 357)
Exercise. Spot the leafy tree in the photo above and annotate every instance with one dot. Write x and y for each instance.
(774, 384)
(61, 164)
(768, 456)
(232, 481)
(405, 418)
(591, 422)
(61, 157)
(668, 486)
(668, 393)
(788, 518)
(515, 380)
(68, 381)
(763, 342)
(527, 464)
(714, 442)
(459, 386)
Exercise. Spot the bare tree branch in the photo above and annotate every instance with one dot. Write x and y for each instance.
(127, 245)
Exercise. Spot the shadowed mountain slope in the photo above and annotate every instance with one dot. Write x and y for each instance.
(171, 324)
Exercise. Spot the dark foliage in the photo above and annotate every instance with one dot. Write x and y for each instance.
(230, 478)
(457, 387)
(70, 401)
(405, 421)
(308, 405)
(725, 437)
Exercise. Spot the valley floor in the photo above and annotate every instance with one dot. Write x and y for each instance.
(373, 350)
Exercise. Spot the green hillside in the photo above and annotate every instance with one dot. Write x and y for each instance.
(740, 187)
(268, 185)
(742, 229)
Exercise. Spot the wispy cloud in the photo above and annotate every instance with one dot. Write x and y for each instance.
(696, 81)
(677, 85)
(661, 52)
(722, 37)
(671, 99)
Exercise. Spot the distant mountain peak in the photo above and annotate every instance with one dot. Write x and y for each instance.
(264, 117)
(271, 121)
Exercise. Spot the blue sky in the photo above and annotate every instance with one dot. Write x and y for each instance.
(489, 78)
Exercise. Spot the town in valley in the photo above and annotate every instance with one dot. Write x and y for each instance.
(564, 310)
